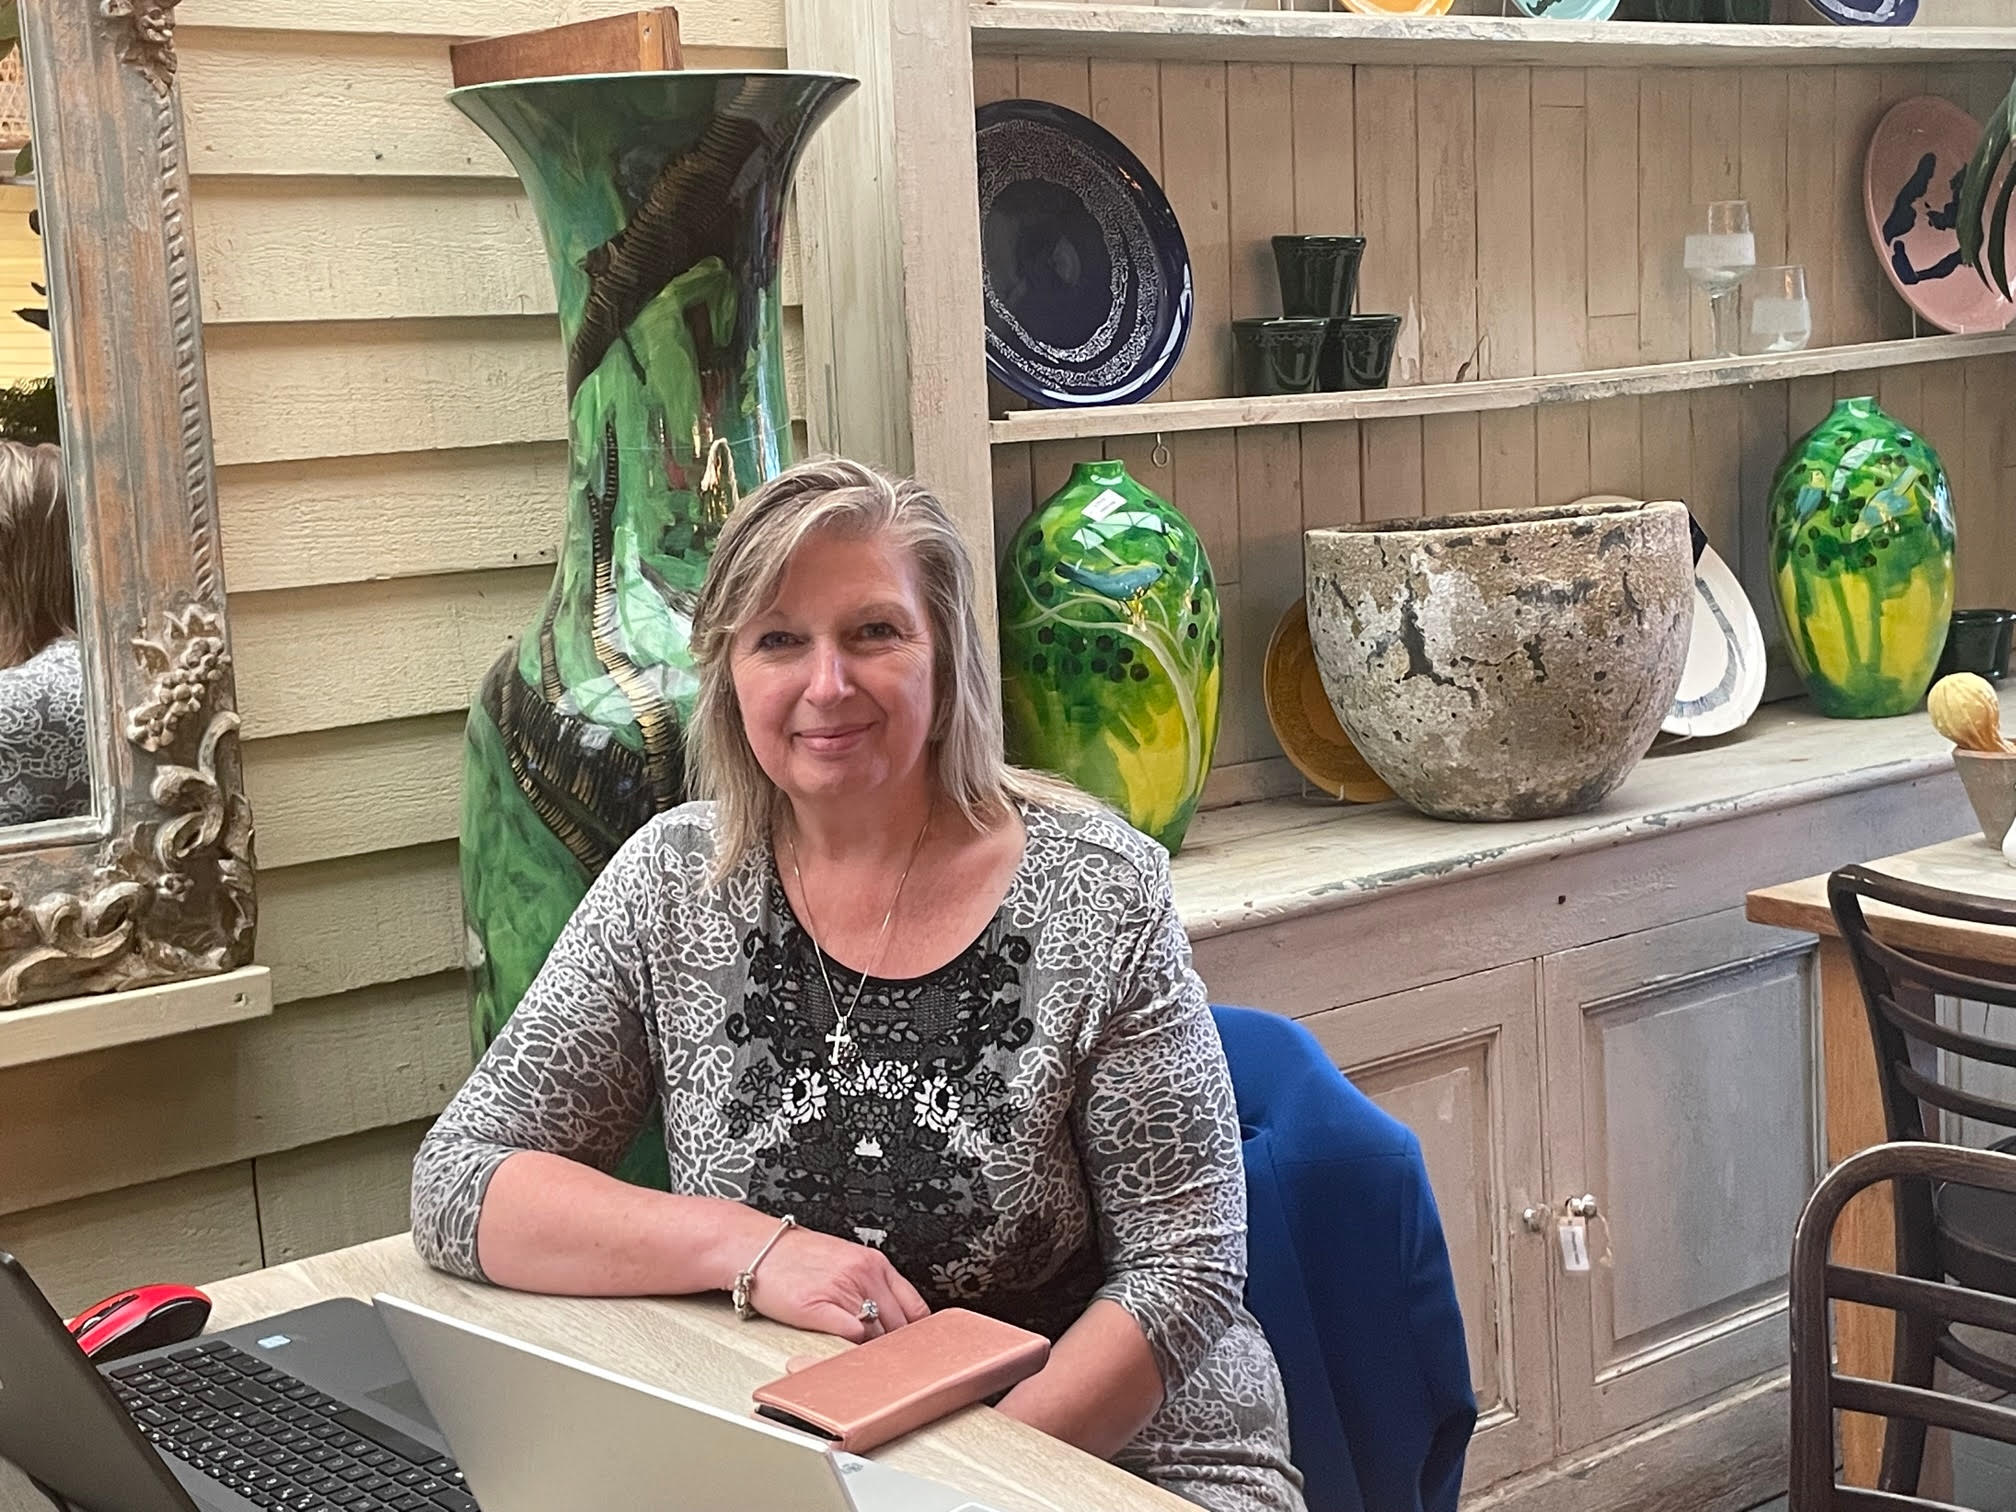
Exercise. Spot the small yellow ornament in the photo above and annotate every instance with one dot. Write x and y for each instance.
(1965, 710)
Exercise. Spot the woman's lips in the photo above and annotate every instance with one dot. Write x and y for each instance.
(832, 738)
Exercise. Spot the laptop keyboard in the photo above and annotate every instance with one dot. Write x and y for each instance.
(277, 1441)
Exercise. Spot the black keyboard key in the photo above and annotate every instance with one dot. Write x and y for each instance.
(126, 1372)
(186, 1354)
(456, 1501)
(410, 1450)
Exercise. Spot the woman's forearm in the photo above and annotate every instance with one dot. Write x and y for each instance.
(1100, 1386)
(553, 1225)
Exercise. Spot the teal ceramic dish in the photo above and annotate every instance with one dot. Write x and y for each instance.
(1569, 10)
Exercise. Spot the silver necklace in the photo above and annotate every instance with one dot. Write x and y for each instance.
(840, 1038)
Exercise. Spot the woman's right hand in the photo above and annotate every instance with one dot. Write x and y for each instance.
(816, 1281)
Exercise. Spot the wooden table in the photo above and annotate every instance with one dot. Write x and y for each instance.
(1866, 1234)
(694, 1346)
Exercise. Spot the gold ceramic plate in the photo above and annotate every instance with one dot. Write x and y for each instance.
(1303, 720)
(1396, 7)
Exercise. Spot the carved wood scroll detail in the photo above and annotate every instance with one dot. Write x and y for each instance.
(171, 896)
(150, 44)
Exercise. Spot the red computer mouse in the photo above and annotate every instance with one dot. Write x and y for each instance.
(143, 1317)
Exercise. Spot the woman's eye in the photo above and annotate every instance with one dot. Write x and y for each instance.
(879, 630)
(773, 640)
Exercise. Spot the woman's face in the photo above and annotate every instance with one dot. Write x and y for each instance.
(834, 677)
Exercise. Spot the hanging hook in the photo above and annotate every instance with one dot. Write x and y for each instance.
(1160, 455)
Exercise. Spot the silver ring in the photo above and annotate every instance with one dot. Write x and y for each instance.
(870, 1312)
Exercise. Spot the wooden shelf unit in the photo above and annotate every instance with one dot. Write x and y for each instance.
(1215, 36)
(1489, 394)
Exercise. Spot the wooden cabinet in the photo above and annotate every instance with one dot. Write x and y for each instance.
(1676, 1092)
(1679, 1096)
(1458, 1063)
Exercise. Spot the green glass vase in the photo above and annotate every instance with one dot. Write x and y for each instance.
(1111, 648)
(1862, 561)
(660, 197)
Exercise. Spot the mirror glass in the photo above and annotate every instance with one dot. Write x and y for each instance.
(45, 767)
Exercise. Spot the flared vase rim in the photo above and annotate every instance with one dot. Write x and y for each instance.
(653, 75)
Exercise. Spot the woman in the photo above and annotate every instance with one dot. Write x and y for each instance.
(936, 1012)
(44, 772)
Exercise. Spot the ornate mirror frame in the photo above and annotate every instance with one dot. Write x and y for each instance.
(156, 884)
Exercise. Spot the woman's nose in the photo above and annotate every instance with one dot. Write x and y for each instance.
(830, 682)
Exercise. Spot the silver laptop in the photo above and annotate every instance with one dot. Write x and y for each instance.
(537, 1432)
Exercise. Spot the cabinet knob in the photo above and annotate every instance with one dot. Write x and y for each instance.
(1535, 1220)
(1582, 1207)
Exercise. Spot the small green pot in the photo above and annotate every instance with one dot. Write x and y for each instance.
(1278, 354)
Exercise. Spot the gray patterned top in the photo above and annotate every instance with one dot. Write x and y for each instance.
(1044, 1121)
(44, 772)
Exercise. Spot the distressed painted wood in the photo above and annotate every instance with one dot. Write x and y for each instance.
(155, 885)
(1457, 1062)
(50, 1031)
(349, 791)
(1021, 26)
(1495, 393)
(711, 21)
(364, 921)
(629, 42)
(1667, 1314)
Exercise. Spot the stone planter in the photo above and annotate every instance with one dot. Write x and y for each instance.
(1506, 664)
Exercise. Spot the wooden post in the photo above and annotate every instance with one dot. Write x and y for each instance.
(889, 230)
(638, 42)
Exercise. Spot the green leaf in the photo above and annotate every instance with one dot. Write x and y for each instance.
(10, 22)
(1978, 180)
(24, 160)
(1998, 235)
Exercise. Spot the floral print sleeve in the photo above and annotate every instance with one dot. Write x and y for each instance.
(1159, 1139)
(572, 1073)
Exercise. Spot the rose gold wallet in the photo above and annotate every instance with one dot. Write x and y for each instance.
(902, 1380)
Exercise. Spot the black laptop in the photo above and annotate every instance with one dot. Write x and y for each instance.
(309, 1411)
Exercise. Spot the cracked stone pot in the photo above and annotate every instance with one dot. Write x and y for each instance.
(1510, 664)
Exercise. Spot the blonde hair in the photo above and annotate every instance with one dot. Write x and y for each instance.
(38, 590)
(755, 547)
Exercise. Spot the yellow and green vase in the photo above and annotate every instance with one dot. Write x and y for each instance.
(1111, 648)
(1862, 561)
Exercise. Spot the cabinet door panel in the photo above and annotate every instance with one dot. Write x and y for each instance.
(1680, 1095)
(1458, 1064)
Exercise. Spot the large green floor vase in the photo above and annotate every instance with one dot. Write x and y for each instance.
(1862, 561)
(1111, 648)
(660, 197)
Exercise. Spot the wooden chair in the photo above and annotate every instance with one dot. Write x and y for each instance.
(1963, 1231)
(1817, 1392)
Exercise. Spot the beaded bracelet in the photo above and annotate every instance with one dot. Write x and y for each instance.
(745, 1280)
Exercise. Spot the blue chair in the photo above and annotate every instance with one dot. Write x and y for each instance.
(1349, 1276)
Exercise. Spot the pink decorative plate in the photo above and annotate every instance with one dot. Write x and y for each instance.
(1911, 192)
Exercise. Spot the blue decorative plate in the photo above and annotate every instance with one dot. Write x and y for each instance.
(1083, 270)
(1867, 12)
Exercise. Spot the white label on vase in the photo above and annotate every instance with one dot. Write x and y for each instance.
(1734, 249)
(1779, 316)
(1104, 504)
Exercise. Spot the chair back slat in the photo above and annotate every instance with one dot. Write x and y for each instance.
(1888, 1399)
(1900, 986)
(1918, 1026)
(1816, 1389)
(1952, 1099)
(1932, 1299)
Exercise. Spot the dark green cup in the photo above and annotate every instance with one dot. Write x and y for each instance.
(1357, 352)
(1278, 354)
(1977, 641)
(1319, 274)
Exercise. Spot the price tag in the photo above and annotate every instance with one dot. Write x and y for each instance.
(1574, 1234)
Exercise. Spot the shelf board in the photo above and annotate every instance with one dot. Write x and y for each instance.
(1153, 31)
(1487, 394)
(73, 1026)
